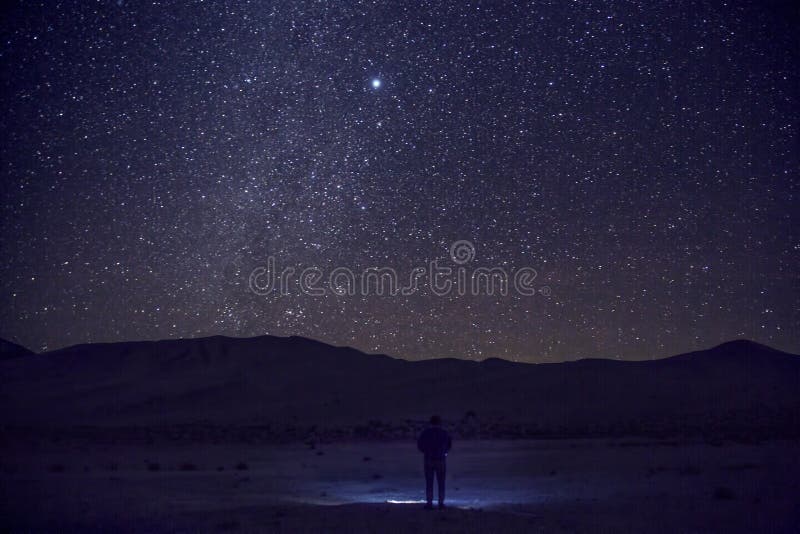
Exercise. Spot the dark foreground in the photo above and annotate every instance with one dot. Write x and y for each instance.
(557, 485)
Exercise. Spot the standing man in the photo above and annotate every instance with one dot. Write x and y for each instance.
(434, 443)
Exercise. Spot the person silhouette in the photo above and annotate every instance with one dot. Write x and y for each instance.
(434, 443)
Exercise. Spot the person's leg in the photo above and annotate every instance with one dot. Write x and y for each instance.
(440, 475)
(429, 482)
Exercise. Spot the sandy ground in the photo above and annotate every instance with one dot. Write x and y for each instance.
(558, 485)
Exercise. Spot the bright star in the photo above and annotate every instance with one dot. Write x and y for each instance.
(376, 83)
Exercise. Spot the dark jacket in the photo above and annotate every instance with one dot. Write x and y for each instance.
(434, 443)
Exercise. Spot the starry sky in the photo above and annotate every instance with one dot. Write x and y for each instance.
(642, 157)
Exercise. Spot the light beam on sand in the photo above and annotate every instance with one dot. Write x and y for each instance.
(395, 501)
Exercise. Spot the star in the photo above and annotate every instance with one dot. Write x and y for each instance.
(600, 157)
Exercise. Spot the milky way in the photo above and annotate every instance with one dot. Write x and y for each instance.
(641, 157)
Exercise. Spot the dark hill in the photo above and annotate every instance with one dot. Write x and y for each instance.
(740, 388)
(9, 350)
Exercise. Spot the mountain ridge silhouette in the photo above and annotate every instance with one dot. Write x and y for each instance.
(739, 386)
(737, 345)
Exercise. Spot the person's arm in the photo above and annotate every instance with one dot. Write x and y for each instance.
(420, 442)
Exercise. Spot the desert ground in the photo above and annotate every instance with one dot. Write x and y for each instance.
(292, 435)
(583, 485)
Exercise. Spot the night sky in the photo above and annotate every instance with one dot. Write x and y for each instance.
(642, 157)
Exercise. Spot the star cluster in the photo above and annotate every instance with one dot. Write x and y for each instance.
(641, 156)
